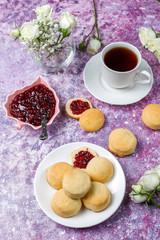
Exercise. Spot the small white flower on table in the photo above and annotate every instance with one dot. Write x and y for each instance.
(145, 35)
(93, 46)
(150, 40)
(147, 188)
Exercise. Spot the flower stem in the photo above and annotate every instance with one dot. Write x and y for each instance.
(82, 44)
(89, 33)
(157, 34)
(154, 203)
(151, 195)
(95, 15)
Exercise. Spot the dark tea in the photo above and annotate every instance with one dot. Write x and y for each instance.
(120, 59)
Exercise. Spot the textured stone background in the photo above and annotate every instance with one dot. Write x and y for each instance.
(22, 151)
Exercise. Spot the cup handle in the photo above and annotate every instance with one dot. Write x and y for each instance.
(143, 77)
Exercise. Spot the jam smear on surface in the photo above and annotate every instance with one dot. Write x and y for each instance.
(33, 104)
(78, 106)
(82, 158)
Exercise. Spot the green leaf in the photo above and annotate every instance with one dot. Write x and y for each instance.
(16, 38)
(81, 46)
(157, 34)
(65, 32)
(158, 188)
(16, 27)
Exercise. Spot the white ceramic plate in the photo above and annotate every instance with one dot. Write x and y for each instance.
(85, 218)
(100, 90)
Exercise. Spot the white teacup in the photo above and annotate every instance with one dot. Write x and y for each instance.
(122, 79)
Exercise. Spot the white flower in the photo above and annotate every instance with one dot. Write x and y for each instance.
(153, 44)
(93, 46)
(43, 11)
(15, 33)
(157, 54)
(150, 181)
(137, 188)
(138, 198)
(29, 31)
(43, 34)
(145, 35)
(67, 20)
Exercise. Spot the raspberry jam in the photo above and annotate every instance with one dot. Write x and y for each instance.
(78, 106)
(82, 158)
(32, 105)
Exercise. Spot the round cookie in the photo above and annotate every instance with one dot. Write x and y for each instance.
(151, 116)
(76, 106)
(55, 174)
(122, 142)
(100, 169)
(91, 120)
(64, 206)
(81, 156)
(76, 183)
(98, 198)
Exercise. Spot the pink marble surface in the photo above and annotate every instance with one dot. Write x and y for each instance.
(22, 151)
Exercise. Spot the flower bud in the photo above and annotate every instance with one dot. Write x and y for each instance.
(138, 198)
(93, 46)
(67, 20)
(15, 33)
(137, 188)
(43, 11)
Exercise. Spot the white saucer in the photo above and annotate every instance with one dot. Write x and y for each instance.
(100, 90)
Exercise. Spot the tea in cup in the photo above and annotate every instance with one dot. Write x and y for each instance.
(120, 66)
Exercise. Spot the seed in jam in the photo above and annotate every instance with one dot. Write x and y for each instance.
(78, 106)
(82, 158)
(33, 104)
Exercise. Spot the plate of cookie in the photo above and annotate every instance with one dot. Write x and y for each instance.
(79, 185)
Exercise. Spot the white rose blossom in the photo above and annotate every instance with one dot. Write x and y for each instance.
(93, 46)
(153, 45)
(43, 12)
(67, 21)
(145, 35)
(150, 40)
(150, 181)
(29, 31)
(147, 187)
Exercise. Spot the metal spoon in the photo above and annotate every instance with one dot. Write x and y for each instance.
(44, 134)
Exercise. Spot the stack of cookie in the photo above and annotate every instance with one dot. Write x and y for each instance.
(76, 187)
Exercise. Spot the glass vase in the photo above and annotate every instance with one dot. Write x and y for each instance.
(60, 59)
